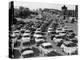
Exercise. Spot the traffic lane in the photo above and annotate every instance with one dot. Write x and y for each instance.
(59, 50)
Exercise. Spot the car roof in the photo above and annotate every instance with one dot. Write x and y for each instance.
(26, 34)
(27, 30)
(37, 31)
(46, 44)
(50, 28)
(13, 35)
(16, 31)
(28, 52)
(39, 39)
(38, 35)
(67, 42)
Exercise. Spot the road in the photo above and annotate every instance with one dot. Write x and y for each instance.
(73, 26)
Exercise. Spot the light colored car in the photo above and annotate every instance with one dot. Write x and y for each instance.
(25, 34)
(17, 32)
(13, 37)
(27, 31)
(37, 35)
(37, 31)
(62, 33)
(22, 29)
(50, 29)
(39, 40)
(58, 30)
(25, 37)
(46, 47)
(69, 49)
(67, 29)
(27, 53)
(57, 39)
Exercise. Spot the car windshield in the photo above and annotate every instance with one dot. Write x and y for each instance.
(58, 37)
(70, 31)
(13, 37)
(49, 46)
(27, 32)
(40, 37)
(26, 36)
(71, 45)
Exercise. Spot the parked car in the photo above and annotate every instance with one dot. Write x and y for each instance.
(50, 30)
(27, 52)
(37, 35)
(39, 40)
(69, 48)
(25, 37)
(16, 53)
(54, 53)
(17, 44)
(57, 39)
(17, 32)
(46, 48)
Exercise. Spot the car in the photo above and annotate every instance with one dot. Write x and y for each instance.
(62, 34)
(46, 48)
(27, 31)
(69, 48)
(27, 52)
(22, 29)
(58, 30)
(67, 42)
(37, 31)
(50, 29)
(39, 40)
(72, 19)
(37, 35)
(17, 32)
(16, 53)
(41, 33)
(25, 37)
(13, 37)
(71, 35)
(54, 53)
(57, 39)
(65, 28)
(17, 44)
(68, 30)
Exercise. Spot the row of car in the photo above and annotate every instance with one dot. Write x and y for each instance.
(63, 38)
(30, 39)
(23, 37)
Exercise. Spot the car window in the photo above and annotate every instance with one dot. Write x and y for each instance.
(40, 37)
(70, 45)
(13, 37)
(42, 46)
(26, 36)
(58, 37)
(49, 46)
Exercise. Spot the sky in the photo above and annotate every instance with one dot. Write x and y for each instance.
(36, 5)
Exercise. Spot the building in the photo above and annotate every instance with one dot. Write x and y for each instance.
(70, 13)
